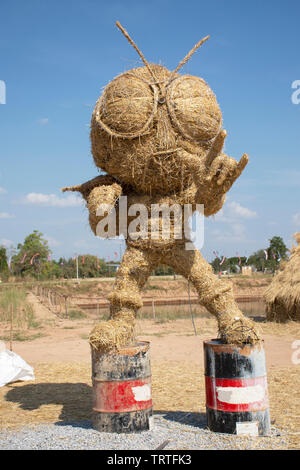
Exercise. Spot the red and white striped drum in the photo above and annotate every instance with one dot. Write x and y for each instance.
(236, 388)
(122, 400)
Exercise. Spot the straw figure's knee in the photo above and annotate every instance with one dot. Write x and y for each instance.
(217, 296)
(125, 300)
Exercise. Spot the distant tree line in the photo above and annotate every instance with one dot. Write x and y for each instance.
(265, 259)
(32, 259)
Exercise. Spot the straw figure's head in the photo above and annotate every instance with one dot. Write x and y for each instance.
(148, 121)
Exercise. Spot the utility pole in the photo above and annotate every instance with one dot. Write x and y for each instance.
(76, 266)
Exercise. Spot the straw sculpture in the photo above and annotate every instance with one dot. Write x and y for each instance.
(158, 137)
(283, 294)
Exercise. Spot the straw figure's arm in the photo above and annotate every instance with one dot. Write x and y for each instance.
(215, 176)
(103, 189)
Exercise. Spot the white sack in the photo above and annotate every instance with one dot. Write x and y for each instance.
(13, 368)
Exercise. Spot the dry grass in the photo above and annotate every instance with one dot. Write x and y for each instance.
(156, 286)
(63, 392)
(60, 392)
(290, 328)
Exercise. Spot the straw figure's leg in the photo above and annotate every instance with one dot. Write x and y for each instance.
(215, 294)
(125, 300)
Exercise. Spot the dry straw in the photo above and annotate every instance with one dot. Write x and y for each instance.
(158, 135)
(283, 294)
(142, 142)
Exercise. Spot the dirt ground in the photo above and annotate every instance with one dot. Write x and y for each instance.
(61, 359)
(67, 340)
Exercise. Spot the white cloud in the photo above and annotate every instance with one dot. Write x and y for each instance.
(5, 242)
(52, 241)
(236, 209)
(296, 219)
(233, 211)
(232, 215)
(5, 215)
(2, 190)
(52, 200)
(43, 121)
(234, 233)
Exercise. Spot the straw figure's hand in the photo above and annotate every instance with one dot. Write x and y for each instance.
(217, 181)
(108, 184)
(214, 181)
(223, 172)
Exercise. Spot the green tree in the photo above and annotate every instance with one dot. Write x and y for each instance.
(227, 264)
(51, 270)
(88, 266)
(258, 260)
(4, 272)
(277, 250)
(32, 255)
(216, 265)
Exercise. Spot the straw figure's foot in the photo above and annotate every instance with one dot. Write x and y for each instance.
(238, 330)
(111, 335)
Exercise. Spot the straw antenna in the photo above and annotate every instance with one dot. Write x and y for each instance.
(137, 49)
(192, 51)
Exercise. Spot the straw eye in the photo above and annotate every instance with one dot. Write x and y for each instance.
(127, 107)
(193, 108)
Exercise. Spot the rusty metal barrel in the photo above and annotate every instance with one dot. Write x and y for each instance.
(122, 400)
(236, 388)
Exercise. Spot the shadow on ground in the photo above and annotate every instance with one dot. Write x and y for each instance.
(76, 402)
(184, 417)
(75, 399)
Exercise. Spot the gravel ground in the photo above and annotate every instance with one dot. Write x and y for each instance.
(181, 430)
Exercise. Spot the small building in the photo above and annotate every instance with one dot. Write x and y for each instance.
(247, 270)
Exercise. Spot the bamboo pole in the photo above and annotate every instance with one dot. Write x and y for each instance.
(153, 309)
(11, 327)
(66, 305)
(191, 311)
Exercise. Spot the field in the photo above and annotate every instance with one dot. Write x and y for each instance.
(55, 343)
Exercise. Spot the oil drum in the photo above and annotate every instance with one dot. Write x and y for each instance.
(236, 388)
(122, 400)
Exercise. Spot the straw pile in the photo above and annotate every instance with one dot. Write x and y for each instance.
(283, 294)
(158, 136)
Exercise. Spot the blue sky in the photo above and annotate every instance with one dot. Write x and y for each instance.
(56, 56)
